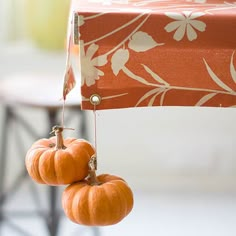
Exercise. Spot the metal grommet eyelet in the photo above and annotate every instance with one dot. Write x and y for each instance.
(95, 99)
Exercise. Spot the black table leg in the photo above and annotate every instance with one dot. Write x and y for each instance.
(3, 153)
(54, 215)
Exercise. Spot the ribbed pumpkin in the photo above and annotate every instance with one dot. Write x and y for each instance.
(55, 161)
(98, 201)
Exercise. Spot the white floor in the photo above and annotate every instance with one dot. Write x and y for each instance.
(164, 213)
(177, 214)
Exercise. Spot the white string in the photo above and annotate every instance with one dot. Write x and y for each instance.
(95, 129)
(95, 133)
(63, 114)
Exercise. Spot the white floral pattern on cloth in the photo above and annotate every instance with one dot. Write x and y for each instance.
(185, 22)
(161, 53)
(89, 71)
(80, 20)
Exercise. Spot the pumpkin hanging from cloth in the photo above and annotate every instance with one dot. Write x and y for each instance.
(98, 201)
(56, 161)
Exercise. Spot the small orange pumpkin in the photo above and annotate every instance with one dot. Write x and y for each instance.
(98, 201)
(55, 161)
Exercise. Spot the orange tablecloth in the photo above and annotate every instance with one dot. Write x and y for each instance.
(157, 53)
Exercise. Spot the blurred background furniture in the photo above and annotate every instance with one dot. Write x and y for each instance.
(35, 92)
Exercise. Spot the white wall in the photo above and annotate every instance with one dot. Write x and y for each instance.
(168, 145)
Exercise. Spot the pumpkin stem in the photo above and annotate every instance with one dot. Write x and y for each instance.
(57, 130)
(93, 180)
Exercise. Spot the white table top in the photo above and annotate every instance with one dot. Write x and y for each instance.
(38, 90)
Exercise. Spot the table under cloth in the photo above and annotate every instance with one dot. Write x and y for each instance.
(156, 53)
